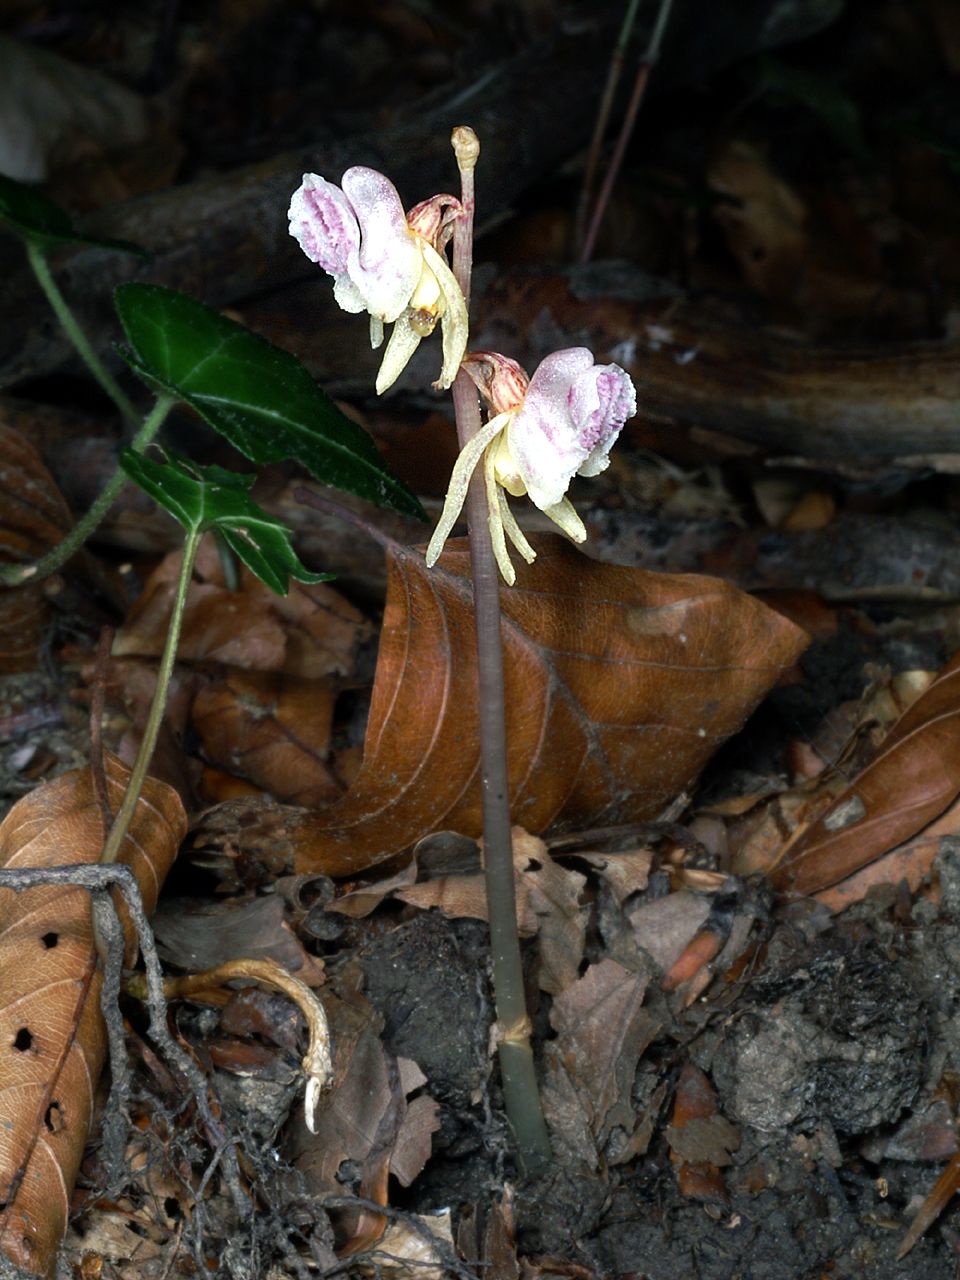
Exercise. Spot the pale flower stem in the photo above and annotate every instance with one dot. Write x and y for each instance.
(14, 575)
(518, 1075)
(41, 269)
(131, 796)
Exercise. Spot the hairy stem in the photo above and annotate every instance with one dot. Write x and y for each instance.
(14, 575)
(111, 848)
(41, 269)
(521, 1098)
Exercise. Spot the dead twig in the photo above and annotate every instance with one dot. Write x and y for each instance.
(626, 129)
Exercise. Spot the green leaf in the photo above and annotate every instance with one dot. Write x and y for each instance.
(836, 109)
(202, 498)
(260, 398)
(39, 219)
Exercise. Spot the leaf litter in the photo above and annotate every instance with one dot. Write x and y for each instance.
(767, 1101)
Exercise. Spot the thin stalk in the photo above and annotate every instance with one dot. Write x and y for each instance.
(626, 129)
(128, 805)
(614, 72)
(518, 1076)
(14, 575)
(36, 253)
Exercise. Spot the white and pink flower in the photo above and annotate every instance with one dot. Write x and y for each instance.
(545, 430)
(384, 263)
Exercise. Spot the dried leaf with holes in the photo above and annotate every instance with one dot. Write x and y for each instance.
(33, 518)
(52, 1039)
(620, 685)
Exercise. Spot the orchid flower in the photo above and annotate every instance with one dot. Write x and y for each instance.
(385, 262)
(543, 431)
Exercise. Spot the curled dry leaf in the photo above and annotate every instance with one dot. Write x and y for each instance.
(548, 905)
(913, 780)
(273, 729)
(366, 1116)
(33, 518)
(620, 685)
(52, 1039)
(311, 632)
(602, 1029)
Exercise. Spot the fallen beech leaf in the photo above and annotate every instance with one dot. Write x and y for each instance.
(52, 1039)
(364, 1116)
(311, 632)
(548, 905)
(33, 518)
(602, 1029)
(620, 685)
(666, 926)
(196, 935)
(625, 873)
(911, 782)
(272, 728)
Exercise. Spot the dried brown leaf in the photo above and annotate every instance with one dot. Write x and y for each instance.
(666, 926)
(548, 905)
(51, 1031)
(915, 777)
(364, 1115)
(602, 1028)
(620, 685)
(311, 632)
(273, 729)
(33, 518)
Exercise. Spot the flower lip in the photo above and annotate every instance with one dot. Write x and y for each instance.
(323, 223)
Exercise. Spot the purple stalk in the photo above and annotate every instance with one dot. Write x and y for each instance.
(518, 1075)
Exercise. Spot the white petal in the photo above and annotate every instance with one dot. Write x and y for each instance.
(387, 265)
(463, 469)
(495, 522)
(564, 515)
(376, 332)
(347, 295)
(454, 323)
(514, 532)
(403, 343)
(543, 438)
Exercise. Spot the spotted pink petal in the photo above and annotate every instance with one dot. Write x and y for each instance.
(542, 437)
(572, 413)
(324, 224)
(601, 401)
(387, 266)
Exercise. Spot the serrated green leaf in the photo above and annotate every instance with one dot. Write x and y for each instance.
(260, 398)
(39, 219)
(202, 498)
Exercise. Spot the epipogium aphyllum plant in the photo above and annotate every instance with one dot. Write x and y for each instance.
(539, 433)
